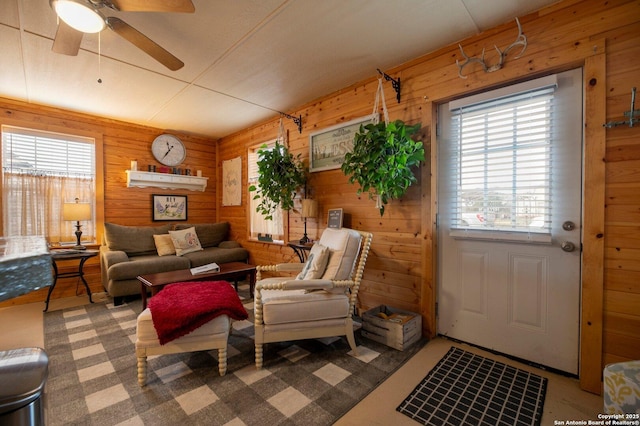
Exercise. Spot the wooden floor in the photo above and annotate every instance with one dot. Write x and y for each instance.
(22, 326)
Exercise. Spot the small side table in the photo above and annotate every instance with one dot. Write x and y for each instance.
(57, 255)
(302, 250)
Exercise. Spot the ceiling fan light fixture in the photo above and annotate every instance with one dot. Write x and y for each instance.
(79, 15)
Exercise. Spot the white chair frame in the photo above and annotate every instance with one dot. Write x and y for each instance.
(326, 328)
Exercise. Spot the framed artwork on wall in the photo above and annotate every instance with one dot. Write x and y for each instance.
(327, 147)
(169, 207)
(231, 177)
(334, 218)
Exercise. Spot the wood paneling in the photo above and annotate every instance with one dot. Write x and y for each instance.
(401, 268)
(118, 143)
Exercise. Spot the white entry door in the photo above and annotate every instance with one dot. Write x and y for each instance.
(509, 220)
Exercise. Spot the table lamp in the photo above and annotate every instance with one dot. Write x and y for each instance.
(309, 209)
(76, 212)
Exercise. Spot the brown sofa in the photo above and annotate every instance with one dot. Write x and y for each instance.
(129, 251)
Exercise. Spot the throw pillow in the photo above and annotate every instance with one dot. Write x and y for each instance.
(185, 241)
(209, 234)
(164, 245)
(316, 263)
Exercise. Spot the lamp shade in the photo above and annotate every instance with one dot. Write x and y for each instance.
(79, 15)
(309, 208)
(76, 211)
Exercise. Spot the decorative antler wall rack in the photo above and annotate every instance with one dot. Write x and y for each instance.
(521, 40)
(394, 83)
(631, 114)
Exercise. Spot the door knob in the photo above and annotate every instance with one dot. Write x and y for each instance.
(568, 246)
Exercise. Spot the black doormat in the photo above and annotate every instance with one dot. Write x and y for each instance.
(468, 389)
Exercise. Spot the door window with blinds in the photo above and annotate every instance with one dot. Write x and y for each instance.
(40, 172)
(259, 226)
(502, 162)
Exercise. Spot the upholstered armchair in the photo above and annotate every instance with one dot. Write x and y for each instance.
(320, 301)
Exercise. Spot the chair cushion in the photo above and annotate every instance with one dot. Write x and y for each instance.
(622, 387)
(316, 263)
(185, 241)
(344, 246)
(146, 333)
(287, 306)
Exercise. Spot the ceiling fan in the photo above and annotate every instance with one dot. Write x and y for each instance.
(83, 16)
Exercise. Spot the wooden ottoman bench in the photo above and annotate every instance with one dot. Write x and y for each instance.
(187, 317)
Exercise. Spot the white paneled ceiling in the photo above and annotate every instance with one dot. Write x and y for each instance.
(244, 59)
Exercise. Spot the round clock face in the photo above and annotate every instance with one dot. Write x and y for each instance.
(168, 150)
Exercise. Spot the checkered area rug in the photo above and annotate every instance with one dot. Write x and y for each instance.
(93, 376)
(468, 389)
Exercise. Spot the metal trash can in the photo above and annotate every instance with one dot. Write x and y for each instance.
(23, 374)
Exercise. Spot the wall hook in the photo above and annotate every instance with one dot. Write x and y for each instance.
(297, 120)
(631, 114)
(394, 83)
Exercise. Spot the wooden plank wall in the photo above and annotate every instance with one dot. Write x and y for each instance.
(118, 144)
(601, 36)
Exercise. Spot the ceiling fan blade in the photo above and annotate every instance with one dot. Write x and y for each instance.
(144, 43)
(179, 6)
(67, 40)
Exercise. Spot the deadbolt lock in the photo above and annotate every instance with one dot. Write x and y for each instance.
(568, 226)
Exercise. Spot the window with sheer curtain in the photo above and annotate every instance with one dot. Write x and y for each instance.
(258, 224)
(40, 172)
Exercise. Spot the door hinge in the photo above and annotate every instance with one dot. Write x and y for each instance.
(436, 309)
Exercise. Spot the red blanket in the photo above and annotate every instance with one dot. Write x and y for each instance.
(180, 308)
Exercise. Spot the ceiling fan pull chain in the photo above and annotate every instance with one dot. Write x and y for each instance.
(99, 57)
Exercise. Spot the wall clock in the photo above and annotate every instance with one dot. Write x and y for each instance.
(168, 150)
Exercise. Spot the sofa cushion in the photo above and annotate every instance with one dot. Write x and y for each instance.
(218, 255)
(164, 245)
(133, 240)
(146, 264)
(185, 241)
(209, 234)
(316, 263)
(344, 245)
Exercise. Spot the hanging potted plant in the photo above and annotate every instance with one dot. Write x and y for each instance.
(281, 175)
(382, 159)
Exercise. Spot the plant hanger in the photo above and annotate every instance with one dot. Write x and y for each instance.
(380, 98)
(383, 155)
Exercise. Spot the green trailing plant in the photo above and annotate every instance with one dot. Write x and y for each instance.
(281, 175)
(382, 159)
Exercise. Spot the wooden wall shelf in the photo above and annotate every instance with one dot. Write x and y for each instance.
(165, 181)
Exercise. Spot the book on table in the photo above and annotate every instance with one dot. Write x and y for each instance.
(204, 269)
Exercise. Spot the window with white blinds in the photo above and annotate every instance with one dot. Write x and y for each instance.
(47, 153)
(258, 224)
(40, 172)
(503, 164)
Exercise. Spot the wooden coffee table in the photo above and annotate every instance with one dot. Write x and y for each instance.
(228, 271)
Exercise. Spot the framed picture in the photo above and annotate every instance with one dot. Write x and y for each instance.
(327, 147)
(335, 218)
(169, 207)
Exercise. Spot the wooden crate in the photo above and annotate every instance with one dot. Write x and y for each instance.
(399, 330)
